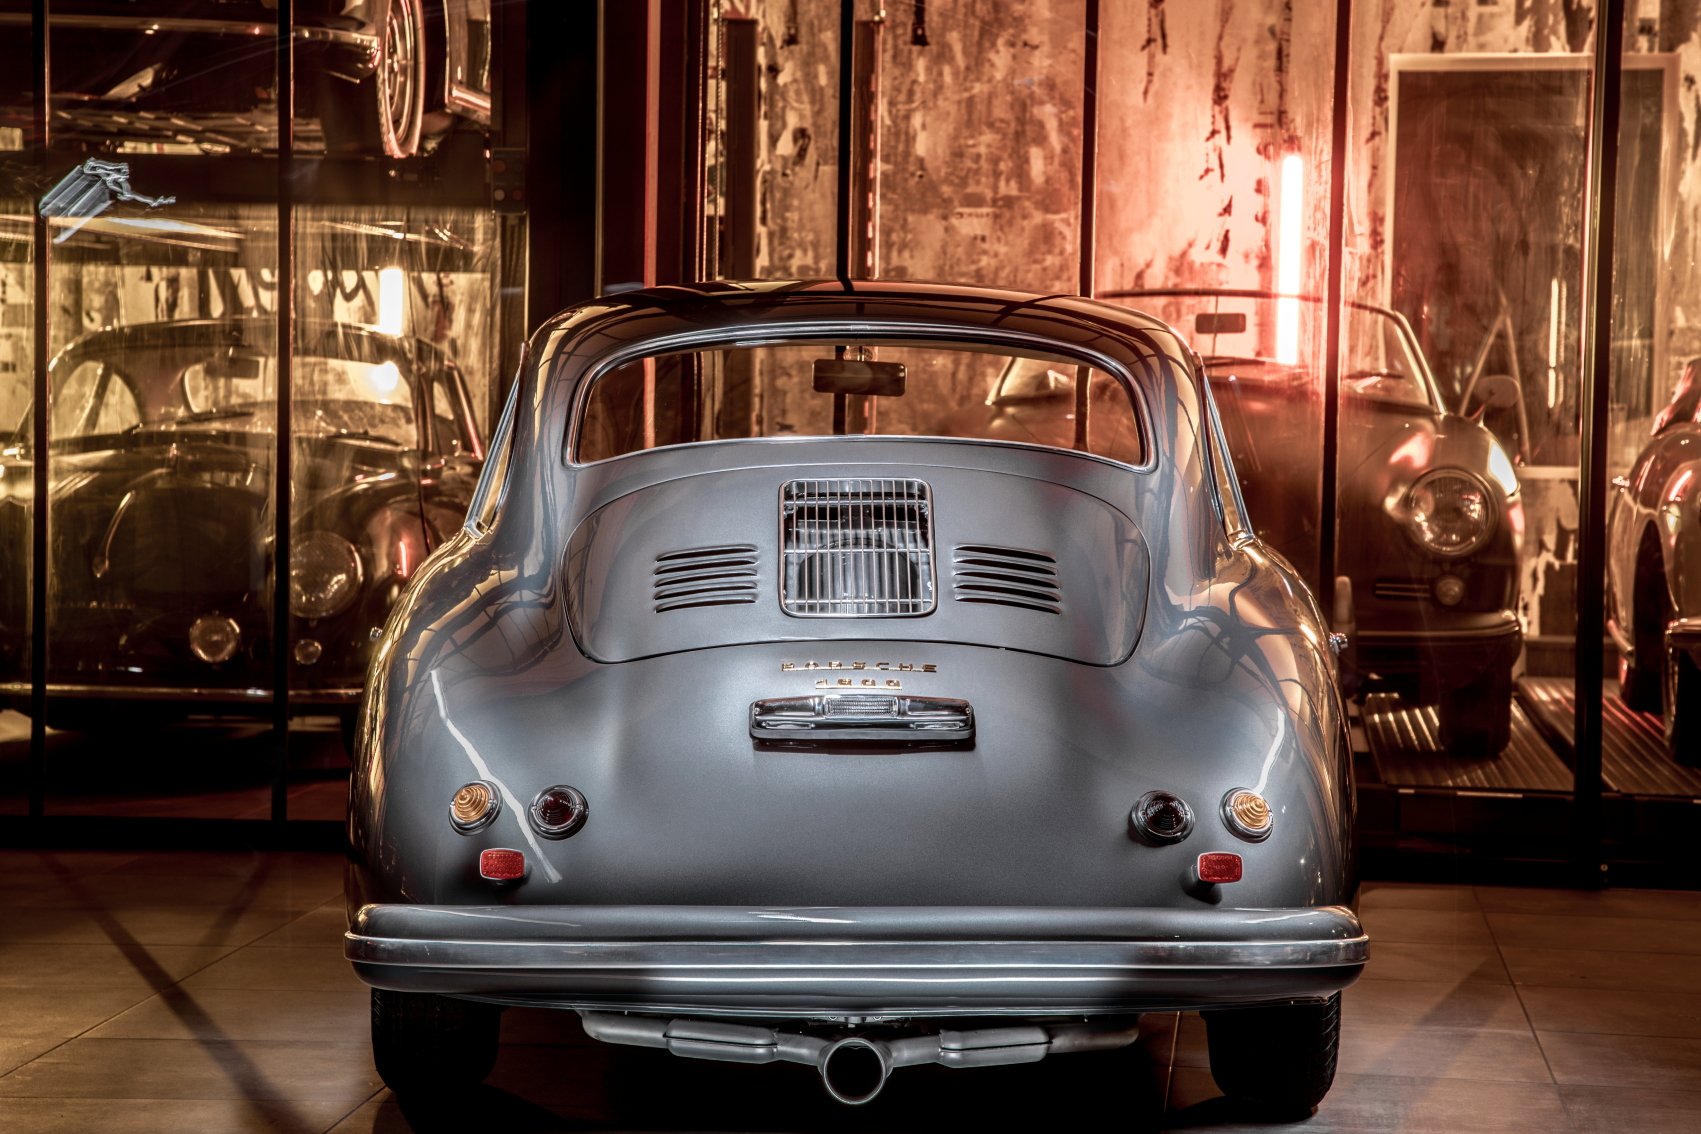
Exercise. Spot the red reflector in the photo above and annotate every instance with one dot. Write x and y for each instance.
(506, 865)
(1217, 866)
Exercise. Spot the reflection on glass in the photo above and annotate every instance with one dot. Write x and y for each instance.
(162, 436)
(17, 372)
(1651, 711)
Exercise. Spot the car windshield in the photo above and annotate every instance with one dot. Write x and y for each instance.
(1241, 338)
(834, 388)
(199, 386)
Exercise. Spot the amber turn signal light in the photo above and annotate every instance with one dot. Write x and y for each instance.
(501, 865)
(1247, 814)
(1217, 867)
(474, 807)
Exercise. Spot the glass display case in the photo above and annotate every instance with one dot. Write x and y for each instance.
(1383, 228)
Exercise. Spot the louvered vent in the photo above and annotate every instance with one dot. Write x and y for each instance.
(1006, 576)
(706, 576)
(857, 548)
(1400, 588)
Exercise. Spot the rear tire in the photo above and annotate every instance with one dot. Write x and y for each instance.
(1278, 1061)
(1640, 684)
(384, 112)
(1476, 719)
(1682, 710)
(432, 1046)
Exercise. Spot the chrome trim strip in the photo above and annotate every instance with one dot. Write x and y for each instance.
(183, 693)
(840, 962)
(1505, 629)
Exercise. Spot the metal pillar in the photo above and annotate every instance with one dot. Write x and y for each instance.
(1601, 203)
(282, 472)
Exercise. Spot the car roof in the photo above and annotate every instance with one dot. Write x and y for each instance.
(969, 304)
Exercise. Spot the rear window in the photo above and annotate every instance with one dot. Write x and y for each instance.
(849, 388)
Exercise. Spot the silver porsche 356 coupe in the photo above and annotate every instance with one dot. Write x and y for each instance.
(753, 718)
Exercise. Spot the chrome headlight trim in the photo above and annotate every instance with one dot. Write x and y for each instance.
(339, 578)
(1479, 540)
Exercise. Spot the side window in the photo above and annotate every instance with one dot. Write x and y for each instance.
(492, 484)
(1231, 504)
(93, 401)
(448, 421)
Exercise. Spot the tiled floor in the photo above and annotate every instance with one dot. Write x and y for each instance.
(206, 992)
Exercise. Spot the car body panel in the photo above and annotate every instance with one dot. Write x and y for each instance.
(1226, 681)
(1654, 522)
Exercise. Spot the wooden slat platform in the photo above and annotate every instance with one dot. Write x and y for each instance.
(1633, 747)
(1405, 743)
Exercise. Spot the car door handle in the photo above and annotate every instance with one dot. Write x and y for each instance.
(876, 718)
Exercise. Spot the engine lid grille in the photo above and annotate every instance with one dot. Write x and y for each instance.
(1006, 576)
(856, 548)
(705, 576)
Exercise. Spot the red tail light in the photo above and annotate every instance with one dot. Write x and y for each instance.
(504, 865)
(1216, 866)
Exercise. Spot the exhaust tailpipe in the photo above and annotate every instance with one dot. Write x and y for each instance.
(854, 1070)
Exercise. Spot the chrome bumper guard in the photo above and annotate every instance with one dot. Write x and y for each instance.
(825, 961)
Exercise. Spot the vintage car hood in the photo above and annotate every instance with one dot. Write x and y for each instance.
(700, 561)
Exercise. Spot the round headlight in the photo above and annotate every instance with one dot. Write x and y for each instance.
(1450, 512)
(324, 575)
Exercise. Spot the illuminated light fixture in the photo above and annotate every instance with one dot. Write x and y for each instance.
(499, 864)
(1500, 468)
(1555, 298)
(392, 300)
(1215, 867)
(474, 806)
(384, 379)
(1288, 259)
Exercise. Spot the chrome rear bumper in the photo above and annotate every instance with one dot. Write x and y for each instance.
(826, 961)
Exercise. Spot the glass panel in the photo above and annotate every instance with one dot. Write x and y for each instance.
(773, 164)
(1458, 521)
(1212, 198)
(395, 354)
(888, 388)
(978, 144)
(1651, 715)
(135, 78)
(162, 441)
(17, 371)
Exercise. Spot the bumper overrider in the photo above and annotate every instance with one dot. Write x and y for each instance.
(858, 961)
